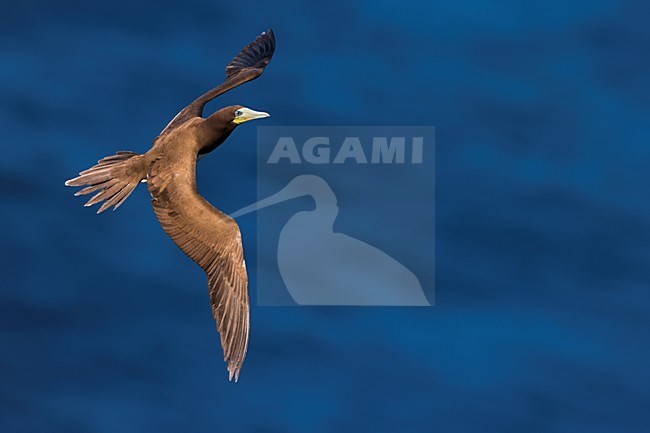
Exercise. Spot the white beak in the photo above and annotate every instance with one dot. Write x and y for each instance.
(246, 114)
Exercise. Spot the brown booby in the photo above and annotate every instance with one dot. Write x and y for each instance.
(208, 236)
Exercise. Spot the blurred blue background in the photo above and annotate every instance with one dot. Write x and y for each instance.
(543, 238)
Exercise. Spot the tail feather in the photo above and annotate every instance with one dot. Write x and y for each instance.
(113, 178)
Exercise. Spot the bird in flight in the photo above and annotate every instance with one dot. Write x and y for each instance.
(208, 236)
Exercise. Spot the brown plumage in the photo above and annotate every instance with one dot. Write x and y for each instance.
(208, 236)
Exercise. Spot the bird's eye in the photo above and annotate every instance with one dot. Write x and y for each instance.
(238, 113)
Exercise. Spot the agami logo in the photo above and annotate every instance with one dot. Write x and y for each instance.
(345, 216)
(319, 150)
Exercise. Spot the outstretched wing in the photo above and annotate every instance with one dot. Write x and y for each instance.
(246, 66)
(212, 239)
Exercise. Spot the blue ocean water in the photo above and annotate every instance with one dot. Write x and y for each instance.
(543, 239)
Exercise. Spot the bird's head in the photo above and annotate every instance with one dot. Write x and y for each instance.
(214, 130)
(242, 114)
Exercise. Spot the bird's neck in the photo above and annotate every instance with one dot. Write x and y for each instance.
(211, 135)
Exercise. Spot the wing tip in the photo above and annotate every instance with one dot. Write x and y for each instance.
(256, 54)
(233, 372)
(269, 33)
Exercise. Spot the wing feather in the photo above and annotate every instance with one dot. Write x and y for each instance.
(256, 55)
(245, 66)
(213, 241)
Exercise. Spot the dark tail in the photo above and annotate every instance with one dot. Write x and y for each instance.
(115, 177)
